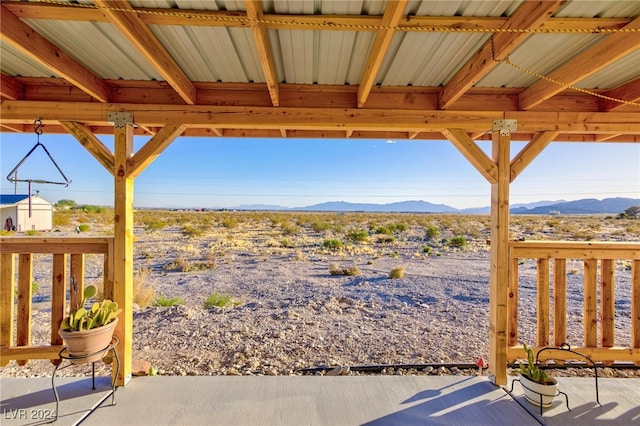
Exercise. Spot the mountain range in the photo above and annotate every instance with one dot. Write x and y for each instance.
(583, 206)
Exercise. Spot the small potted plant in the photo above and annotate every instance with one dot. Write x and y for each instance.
(538, 386)
(89, 330)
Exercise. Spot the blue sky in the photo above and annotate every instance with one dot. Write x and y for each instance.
(220, 173)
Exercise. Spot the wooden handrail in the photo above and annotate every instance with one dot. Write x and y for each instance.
(67, 268)
(596, 256)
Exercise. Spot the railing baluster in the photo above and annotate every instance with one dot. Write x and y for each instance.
(607, 303)
(7, 295)
(512, 304)
(77, 280)
(25, 279)
(543, 302)
(590, 303)
(58, 296)
(635, 306)
(559, 302)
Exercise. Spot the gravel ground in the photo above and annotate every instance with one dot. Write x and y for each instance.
(295, 315)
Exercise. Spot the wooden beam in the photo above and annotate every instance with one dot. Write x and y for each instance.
(254, 12)
(325, 119)
(530, 152)
(470, 150)
(153, 148)
(141, 37)
(392, 14)
(35, 46)
(629, 92)
(531, 14)
(590, 61)
(238, 19)
(91, 144)
(11, 88)
(499, 261)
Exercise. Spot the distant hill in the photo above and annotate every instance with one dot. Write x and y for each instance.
(403, 206)
(583, 206)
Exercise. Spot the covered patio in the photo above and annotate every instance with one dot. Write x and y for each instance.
(535, 71)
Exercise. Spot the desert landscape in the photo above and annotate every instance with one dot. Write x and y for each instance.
(282, 293)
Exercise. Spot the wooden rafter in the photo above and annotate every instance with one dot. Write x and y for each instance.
(32, 44)
(153, 148)
(531, 14)
(530, 152)
(472, 152)
(392, 15)
(629, 92)
(254, 12)
(606, 52)
(141, 37)
(295, 22)
(91, 143)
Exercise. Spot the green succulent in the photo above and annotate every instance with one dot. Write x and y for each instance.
(99, 314)
(531, 369)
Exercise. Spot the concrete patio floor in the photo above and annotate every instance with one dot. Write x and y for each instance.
(310, 400)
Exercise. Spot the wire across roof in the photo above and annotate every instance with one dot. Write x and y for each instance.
(325, 68)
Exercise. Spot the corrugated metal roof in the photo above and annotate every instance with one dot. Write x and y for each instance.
(16, 63)
(117, 58)
(6, 199)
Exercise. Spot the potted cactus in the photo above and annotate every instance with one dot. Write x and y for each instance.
(539, 387)
(87, 331)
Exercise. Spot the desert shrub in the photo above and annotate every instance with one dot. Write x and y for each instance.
(584, 234)
(220, 300)
(168, 301)
(144, 292)
(286, 243)
(386, 239)
(357, 236)
(351, 271)
(319, 226)
(457, 241)
(180, 264)
(289, 229)
(426, 249)
(154, 225)
(229, 222)
(192, 231)
(332, 244)
(84, 227)
(397, 272)
(61, 219)
(431, 232)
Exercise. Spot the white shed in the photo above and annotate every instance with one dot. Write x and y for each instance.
(25, 214)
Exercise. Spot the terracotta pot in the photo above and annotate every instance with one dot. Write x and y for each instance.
(82, 343)
(533, 390)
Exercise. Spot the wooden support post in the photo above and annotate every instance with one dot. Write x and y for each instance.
(499, 269)
(123, 242)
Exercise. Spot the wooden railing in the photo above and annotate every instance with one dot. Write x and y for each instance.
(68, 274)
(592, 257)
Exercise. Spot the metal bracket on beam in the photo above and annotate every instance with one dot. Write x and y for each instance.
(120, 119)
(505, 126)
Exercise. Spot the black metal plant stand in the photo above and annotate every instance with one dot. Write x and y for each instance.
(566, 348)
(65, 355)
